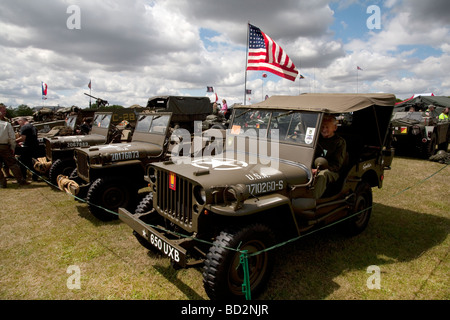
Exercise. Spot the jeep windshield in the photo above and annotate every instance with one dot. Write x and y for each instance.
(71, 121)
(414, 117)
(102, 121)
(153, 123)
(297, 127)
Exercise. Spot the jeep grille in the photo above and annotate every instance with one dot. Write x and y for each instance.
(82, 165)
(175, 204)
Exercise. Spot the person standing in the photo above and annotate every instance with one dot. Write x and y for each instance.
(29, 147)
(444, 115)
(7, 146)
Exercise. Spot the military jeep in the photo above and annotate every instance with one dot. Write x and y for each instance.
(60, 149)
(420, 134)
(259, 191)
(111, 175)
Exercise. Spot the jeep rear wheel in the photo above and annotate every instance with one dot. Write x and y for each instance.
(362, 209)
(223, 275)
(60, 166)
(110, 194)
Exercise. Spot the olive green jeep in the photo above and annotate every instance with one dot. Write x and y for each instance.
(109, 176)
(259, 191)
(59, 150)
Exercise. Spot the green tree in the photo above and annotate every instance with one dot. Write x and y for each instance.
(23, 110)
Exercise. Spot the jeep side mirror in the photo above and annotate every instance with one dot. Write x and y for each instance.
(321, 163)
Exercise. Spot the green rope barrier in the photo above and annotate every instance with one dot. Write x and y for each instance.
(243, 259)
(246, 290)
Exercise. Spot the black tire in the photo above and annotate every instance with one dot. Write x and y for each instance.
(222, 274)
(60, 166)
(146, 205)
(82, 193)
(363, 204)
(111, 194)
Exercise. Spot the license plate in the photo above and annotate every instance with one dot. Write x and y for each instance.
(155, 238)
(163, 246)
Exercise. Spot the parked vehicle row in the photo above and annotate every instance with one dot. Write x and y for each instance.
(203, 196)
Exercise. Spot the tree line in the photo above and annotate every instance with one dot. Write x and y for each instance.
(24, 110)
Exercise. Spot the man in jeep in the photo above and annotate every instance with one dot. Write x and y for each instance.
(332, 147)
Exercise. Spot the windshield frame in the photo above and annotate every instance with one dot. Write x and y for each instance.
(261, 123)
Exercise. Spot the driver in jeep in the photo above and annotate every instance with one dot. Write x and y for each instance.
(332, 147)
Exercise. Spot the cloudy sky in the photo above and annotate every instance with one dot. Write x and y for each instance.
(134, 49)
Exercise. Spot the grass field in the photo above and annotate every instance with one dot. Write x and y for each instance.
(43, 232)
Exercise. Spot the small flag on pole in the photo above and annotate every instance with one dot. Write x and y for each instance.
(44, 91)
(265, 54)
(358, 68)
(301, 77)
(89, 85)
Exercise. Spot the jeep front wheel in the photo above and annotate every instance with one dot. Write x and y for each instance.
(106, 195)
(223, 275)
(60, 166)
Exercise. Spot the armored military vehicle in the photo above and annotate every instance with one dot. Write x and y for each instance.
(60, 149)
(111, 175)
(260, 190)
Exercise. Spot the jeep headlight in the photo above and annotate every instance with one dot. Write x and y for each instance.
(240, 193)
(151, 173)
(200, 195)
(96, 160)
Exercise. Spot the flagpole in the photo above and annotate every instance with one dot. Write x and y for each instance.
(357, 79)
(246, 64)
(90, 92)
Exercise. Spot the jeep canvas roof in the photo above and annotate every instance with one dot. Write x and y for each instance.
(326, 102)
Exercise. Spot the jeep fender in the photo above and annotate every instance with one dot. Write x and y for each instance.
(267, 207)
(129, 168)
(253, 205)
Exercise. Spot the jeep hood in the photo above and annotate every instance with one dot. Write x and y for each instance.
(76, 141)
(259, 178)
(123, 151)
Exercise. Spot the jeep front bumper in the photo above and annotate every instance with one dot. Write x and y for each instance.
(156, 238)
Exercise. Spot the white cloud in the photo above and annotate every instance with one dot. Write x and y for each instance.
(135, 49)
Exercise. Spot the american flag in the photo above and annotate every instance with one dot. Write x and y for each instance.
(265, 54)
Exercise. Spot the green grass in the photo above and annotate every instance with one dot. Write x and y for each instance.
(43, 231)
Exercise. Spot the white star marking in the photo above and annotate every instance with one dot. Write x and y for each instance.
(219, 164)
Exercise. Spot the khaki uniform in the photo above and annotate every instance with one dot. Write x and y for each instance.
(7, 145)
(334, 150)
